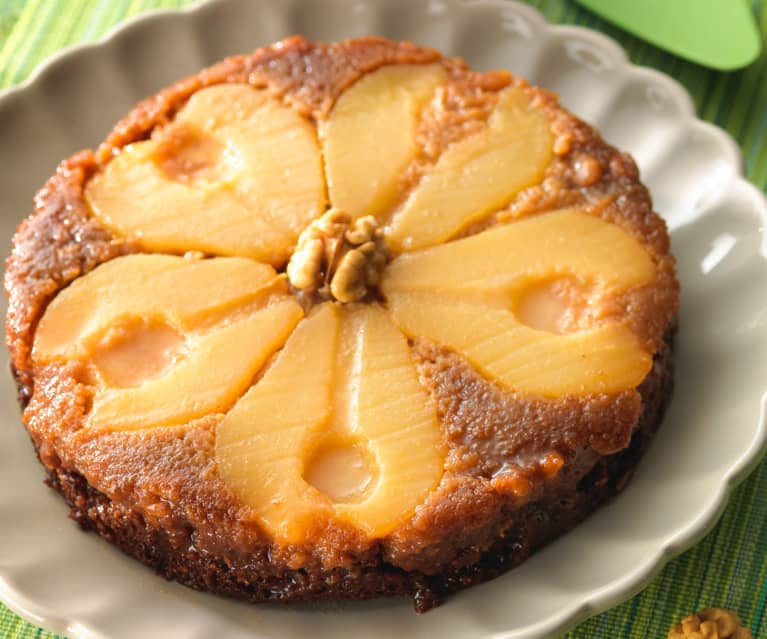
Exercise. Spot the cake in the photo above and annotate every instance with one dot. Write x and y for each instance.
(341, 321)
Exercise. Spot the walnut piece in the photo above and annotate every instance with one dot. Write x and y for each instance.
(339, 258)
(711, 623)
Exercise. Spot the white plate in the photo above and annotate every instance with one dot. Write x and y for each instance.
(715, 430)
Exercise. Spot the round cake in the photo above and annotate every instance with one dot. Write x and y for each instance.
(341, 320)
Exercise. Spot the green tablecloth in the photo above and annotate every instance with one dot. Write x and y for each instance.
(729, 567)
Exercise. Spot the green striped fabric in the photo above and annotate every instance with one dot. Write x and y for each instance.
(729, 567)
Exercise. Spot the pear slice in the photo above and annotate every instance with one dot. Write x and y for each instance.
(393, 414)
(235, 173)
(607, 359)
(361, 402)
(187, 293)
(369, 137)
(495, 265)
(477, 175)
(262, 441)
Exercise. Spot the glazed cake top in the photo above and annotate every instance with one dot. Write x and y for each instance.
(339, 299)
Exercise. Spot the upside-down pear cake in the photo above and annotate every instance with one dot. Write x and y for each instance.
(341, 321)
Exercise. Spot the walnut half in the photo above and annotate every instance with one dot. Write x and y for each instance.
(338, 257)
(711, 623)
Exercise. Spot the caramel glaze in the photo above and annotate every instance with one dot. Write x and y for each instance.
(519, 470)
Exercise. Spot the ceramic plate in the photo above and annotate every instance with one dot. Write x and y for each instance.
(714, 432)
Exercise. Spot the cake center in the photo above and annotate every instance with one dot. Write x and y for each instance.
(135, 352)
(341, 471)
(339, 258)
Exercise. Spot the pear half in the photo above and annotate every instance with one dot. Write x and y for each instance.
(343, 388)
(167, 339)
(235, 173)
(477, 295)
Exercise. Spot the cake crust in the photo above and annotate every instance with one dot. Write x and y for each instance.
(156, 493)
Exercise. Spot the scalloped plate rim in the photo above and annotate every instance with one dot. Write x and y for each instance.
(592, 602)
